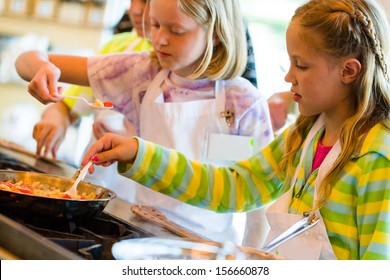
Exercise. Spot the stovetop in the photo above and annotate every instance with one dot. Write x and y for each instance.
(44, 238)
(90, 239)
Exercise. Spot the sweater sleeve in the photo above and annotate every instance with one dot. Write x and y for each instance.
(373, 204)
(243, 186)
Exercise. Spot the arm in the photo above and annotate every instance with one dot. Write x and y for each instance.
(242, 186)
(373, 204)
(43, 71)
(50, 131)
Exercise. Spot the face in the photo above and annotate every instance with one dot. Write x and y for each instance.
(139, 16)
(316, 78)
(179, 41)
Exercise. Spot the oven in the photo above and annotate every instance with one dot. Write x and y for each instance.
(31, 237)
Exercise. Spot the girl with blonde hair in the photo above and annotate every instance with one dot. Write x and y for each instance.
(332, 164)
(186, 94)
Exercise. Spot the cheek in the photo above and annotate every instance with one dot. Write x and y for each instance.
(152, 36)
(189, 49)
(313, 86)
(200, 46)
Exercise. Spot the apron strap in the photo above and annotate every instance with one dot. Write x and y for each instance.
(220, 98)
(152, 94)
(313, 131)
(328, 161)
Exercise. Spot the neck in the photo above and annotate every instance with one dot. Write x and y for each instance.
(333, 126)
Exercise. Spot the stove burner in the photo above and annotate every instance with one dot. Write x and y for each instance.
(90, 239)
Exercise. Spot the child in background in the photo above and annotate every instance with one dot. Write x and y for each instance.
(333, 163)
(187, 95)
(50, 131)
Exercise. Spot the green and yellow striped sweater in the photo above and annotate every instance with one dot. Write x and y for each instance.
(356, 215)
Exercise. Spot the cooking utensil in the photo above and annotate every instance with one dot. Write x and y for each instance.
(105, 106)
(27, 205)
(79, 176)
(163, 248)
(153, 215)
(296, 229)
(192, 247)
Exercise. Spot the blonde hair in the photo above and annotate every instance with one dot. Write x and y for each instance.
(346, 28)
(223, 21)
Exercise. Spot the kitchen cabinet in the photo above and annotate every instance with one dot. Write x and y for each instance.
(90, 12)
(67, 24)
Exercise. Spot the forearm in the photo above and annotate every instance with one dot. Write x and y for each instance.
(236, 188)
(73, 68)
(59, 113)
(29, 63)
(69, 69)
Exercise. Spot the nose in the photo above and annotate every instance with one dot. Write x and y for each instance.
(159, 37)
(289, 77)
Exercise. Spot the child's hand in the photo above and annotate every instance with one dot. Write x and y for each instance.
(44, 84)
(49, 135)
(111, 148)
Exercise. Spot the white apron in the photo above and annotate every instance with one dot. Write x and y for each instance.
(314, 243)
(108, 176)
(185, 126)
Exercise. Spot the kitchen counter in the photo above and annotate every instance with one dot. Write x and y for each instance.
(120, 209)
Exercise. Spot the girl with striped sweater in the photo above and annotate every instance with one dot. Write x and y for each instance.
(334, 162)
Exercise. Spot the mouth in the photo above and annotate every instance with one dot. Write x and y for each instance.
(296, 97)
(162, 54)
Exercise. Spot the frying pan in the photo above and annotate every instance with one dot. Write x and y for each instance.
(27, 204)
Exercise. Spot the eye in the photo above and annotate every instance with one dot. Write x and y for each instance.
(297, 63)
(177, 31)
(303, 68)
(154, 24)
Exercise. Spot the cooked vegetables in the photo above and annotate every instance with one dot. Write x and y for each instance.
(39, 189)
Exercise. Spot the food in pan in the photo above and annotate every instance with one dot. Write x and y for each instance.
(39, 189)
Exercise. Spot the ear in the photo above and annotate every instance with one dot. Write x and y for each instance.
(351, 69)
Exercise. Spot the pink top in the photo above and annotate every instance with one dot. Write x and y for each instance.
(321, 153)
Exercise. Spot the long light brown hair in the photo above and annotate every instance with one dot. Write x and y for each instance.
(346, 28)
